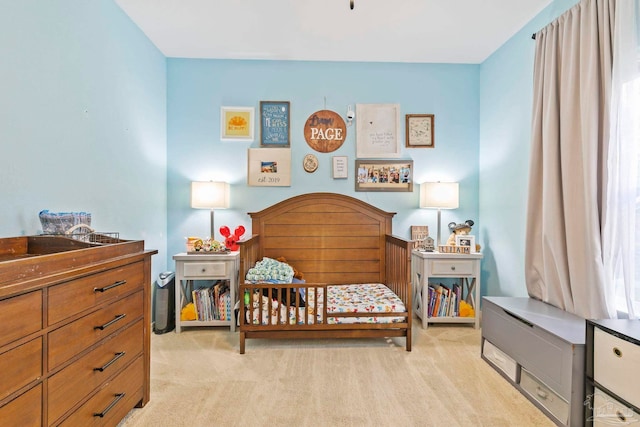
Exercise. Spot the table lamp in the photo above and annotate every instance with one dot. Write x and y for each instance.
(210, 195)
(439, 195)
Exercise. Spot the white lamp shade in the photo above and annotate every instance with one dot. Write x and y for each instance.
(209, 195)
(439, 195)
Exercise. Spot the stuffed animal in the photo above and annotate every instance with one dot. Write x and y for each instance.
(231, 240)
(457, 230)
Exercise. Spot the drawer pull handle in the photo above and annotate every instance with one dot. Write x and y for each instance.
(453, 268)
(111, 286)
(113, 403)
(111, 322)
(617, 352)
(204, 270)
(110, 362)
(541, 393)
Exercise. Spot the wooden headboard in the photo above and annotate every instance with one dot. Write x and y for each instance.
(331, 238)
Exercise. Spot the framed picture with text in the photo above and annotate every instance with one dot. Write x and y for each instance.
(419, 131)
(274, 124)
(236, 123)
(269, 167)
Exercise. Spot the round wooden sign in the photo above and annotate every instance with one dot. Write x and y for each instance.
(325, 131)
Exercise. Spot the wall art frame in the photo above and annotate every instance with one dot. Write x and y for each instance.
(419, 130)
(340, 168)
(269, 167)
(275, 124)
(384, 175)
(237, 124)
(377, 130)
(466, 240)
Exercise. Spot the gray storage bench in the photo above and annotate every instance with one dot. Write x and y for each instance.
(539, 349)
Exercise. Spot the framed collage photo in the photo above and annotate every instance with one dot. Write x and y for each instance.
(384, 175)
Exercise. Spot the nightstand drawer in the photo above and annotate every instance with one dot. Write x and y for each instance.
(451, 268)
(614, 363)
(544, 395)
(205, 269)
(607, 411)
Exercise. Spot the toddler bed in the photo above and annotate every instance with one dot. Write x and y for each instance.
(357, 274)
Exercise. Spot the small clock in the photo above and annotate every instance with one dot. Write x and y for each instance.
(310, 163)
(419, 128)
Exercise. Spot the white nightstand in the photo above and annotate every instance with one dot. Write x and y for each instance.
(190, 267)
(429, 265)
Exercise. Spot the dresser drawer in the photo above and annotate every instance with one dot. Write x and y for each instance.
(615, 361)
(544, 395)
(500, 360)
(67, 387)
(114, 400)
(451, 268)
(205, 269)
(20, 366)
(71, 339)
(607, 411)
(20, 316)
(25, 410)
(78, 295)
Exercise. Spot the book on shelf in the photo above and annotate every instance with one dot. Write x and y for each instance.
(444, 301)
(213, 302)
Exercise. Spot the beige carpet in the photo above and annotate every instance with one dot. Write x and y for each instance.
(198, 378)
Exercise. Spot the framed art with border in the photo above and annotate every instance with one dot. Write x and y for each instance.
(340, 168)
(466, 240)
(237, 123)
(275, 124)
(384, 175)
(377, 129)
(419, 130)
(269, 167)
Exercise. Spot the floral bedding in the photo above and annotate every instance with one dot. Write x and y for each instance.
(368, 299)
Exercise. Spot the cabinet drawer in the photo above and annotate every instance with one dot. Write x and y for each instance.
(452, 268)
(20, 316)
(78, 295)
(544, 395)
(71, 339)
(114, 400)
(614, 360)
(607, 411)
(73, 383)
(205, 269)
(25, 410)
(20, 366)
(500, 360)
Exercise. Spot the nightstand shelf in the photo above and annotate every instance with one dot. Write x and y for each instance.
(192, 267)
(463, 267)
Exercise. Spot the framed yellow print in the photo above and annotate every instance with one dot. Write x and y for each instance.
(236, 123)
(419, 131)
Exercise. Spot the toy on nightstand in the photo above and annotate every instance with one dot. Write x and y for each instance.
(458, 230)
(231, 240)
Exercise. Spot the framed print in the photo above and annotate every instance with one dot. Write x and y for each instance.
(377, 129)
(384, 175)
(466, 240)
(340, 169)
(236, 123)
(419, 130)
(274, 124)
(269, 167)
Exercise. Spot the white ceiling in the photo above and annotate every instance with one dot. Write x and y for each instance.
(444, 31)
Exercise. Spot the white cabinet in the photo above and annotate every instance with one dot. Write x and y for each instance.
(431, 265)
(613, 366)
(191, 267)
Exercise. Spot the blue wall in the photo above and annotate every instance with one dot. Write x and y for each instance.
(82, 119)
(506, 97)
(198, 88)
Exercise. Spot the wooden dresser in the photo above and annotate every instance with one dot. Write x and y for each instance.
(75, 331)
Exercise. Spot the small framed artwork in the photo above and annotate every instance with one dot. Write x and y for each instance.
(466, 240)
(419, 130)
(236, 123)
(274, 124)
(377, 130)
(384, 175)
(340, 170)
(269, 167)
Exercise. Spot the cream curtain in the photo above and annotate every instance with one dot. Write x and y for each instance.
(568, 176)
